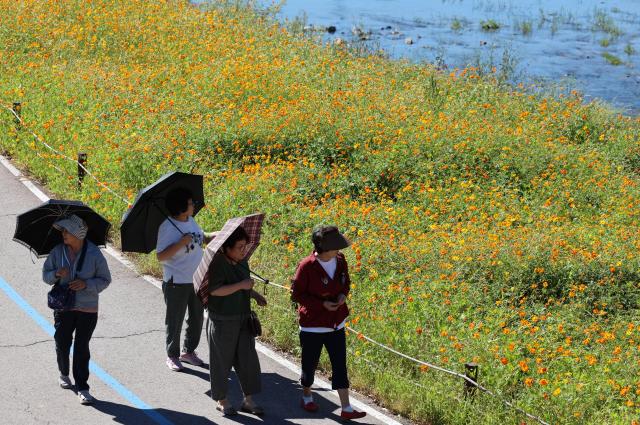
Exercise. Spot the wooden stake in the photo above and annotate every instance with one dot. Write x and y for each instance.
(471, 372)
(82, 162)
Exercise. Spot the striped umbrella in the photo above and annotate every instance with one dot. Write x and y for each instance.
(252, 224)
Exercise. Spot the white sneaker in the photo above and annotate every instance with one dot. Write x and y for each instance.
(174, 364)
(65, 382)
(85, 397)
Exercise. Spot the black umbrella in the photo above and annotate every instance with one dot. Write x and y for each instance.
(139, 228)
(34, 228)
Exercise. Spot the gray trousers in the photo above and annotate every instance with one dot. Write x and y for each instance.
(179, 299)
(231, 344)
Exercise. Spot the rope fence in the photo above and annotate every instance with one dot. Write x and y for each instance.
(16, 111)
(468, 379)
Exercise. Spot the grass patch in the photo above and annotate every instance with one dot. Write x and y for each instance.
(489, 224)
(456, 24)
(489, 25)
(629, 49)
(524, 27)
(602, 21)
(612, 59)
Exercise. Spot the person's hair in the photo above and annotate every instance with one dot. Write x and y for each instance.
(318, 236)
(238, 235)
(177, 200)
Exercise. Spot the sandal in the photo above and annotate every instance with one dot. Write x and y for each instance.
(254, 410)
(227, 411)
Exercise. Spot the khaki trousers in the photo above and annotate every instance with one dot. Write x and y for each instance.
(231, 345)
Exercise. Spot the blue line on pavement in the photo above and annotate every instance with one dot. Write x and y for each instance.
(97, 370)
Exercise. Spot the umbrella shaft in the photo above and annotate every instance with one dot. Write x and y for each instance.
(253, 273)
(258, 276)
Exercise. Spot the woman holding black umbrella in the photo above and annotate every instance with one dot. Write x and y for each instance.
(79, 265)
(161, 218)
(179, 249)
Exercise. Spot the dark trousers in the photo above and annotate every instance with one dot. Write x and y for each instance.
(232, 345)
(179, 299)
(336, 345)
(65, 323)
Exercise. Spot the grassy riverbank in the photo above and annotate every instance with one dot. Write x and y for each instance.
(489, 225)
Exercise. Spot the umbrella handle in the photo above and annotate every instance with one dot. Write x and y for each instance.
(265, 281)
(259, 277)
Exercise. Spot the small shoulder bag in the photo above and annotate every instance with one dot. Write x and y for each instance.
(255, 327)
(61, 297)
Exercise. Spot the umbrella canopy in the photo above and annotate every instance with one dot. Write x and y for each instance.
(34, 228)
(252, 224)
(139, 228)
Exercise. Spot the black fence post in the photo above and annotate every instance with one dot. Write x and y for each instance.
(82, 162)
(471, 372)
(17, 110)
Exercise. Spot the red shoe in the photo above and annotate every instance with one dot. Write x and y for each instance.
(352, 415)
(309, 407)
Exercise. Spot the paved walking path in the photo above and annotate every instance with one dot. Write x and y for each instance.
(128, 377)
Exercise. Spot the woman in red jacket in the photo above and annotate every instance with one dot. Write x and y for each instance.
(320, 287)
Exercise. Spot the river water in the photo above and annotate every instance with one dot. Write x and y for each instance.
(589, 45)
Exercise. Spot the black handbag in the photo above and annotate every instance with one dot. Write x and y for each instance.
(255, 327)
(61, 297)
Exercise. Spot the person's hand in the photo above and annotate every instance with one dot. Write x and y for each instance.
(341, 299)
(261, 300)
(63, 272)
(186, 239)
(247, 284)
(330, 305)
(77, 285)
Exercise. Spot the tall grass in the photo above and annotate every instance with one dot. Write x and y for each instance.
(489, 225)
(602, 21)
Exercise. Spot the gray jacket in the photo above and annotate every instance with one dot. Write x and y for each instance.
(94, 272)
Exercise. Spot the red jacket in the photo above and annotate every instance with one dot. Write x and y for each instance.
(312, 286)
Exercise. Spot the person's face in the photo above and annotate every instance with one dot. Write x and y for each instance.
(190, 207)
(69, 239)
(328, 255)
(237, 251)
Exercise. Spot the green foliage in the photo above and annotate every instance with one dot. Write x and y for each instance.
(525, 27)
(629, 50)
(605, 23)
(489, 224)
(612, 59)
(489, 25)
